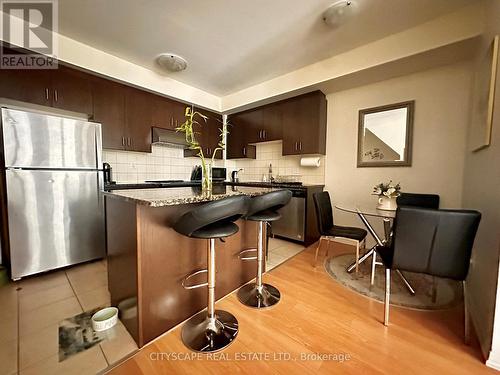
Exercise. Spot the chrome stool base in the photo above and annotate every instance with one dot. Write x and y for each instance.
(204, 334)
(250, 295)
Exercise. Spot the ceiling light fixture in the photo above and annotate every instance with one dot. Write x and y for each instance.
(336, 13)
(171, 62)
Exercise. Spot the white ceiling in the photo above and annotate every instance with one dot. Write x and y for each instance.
(234, 44)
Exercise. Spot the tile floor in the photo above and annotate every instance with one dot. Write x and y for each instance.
(30, 312)
(281, 250)
(31, 309)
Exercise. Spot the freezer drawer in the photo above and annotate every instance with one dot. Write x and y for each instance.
(33, 140)
(56, 218)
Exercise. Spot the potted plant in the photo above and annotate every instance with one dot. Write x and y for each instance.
(387, 193)
(206, 166)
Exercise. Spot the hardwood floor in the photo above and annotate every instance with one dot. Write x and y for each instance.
(317, 315)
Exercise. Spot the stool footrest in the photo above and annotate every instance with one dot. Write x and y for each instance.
(245, 252)
(191, 276)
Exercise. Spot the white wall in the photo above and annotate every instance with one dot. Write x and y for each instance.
(482, 192)
(441, 115)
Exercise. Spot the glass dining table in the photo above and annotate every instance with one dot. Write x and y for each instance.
(387, 217)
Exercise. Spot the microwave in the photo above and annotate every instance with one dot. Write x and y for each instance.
(218, 174)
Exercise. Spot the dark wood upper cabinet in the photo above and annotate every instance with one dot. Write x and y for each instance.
(30, 85)
(207, 134)
(71, 90)
(138, 117)
(241, 132)
(162, 113)
(300, 122)
(109, 110)
(272, 122)
(167, 113)
(178, 112)
(63, 88)
(304, 124)
(251, 122)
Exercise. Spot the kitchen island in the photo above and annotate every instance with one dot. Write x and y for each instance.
(147, 259)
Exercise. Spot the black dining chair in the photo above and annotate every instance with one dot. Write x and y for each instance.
(336, 233)
(418, 200)
(430, 201)
(434, 242)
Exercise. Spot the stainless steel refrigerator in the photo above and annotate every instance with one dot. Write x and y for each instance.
(54, 179)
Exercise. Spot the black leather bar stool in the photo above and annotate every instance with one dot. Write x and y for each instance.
(262, 208)
(211, 330)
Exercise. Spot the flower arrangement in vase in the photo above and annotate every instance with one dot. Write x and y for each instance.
(206, 167)
(387, 193)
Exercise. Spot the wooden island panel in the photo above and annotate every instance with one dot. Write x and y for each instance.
(162, 259)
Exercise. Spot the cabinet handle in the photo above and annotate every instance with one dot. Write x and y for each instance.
(300, 145)
(129, 141)
(244, 151)
(47, 94)
(55, 95)
(296, 146)
(264, 134)
(123, 141)
(260, 134)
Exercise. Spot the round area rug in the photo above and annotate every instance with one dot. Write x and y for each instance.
(448, 292)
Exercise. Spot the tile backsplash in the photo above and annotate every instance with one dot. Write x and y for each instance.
(270, 153)
(163, 163)
(169, 163)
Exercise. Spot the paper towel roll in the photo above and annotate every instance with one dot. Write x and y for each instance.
(310, 162)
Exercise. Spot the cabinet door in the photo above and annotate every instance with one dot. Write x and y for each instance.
(178, 111)
(71, 90)
(214, 126)
(109, 110)
(138, 110)
(272, 122)
(291, 126)
(312, 109)
(252, 122)
(238, 138)
(26, 85)
(162, 113)
(304, 124)
(207, 134)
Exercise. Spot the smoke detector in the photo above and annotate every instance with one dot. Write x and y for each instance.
(171, 62)
(337, 13)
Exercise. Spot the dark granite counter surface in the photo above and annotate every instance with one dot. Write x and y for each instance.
(172, 196)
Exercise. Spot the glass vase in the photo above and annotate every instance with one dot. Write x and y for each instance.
(206, 179)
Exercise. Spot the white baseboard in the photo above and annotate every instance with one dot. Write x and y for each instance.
(493, 360)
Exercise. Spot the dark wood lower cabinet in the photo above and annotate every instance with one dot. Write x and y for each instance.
(147, 261)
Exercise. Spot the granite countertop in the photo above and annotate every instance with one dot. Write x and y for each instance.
(183, 195)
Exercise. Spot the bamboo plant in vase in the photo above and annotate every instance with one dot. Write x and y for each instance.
(187, 128)
(387, 193)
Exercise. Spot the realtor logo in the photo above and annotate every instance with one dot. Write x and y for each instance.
(28, 34)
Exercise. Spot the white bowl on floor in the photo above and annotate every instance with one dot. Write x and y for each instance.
(105, 319)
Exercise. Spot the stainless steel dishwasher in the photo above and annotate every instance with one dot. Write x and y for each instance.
(293, 217)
